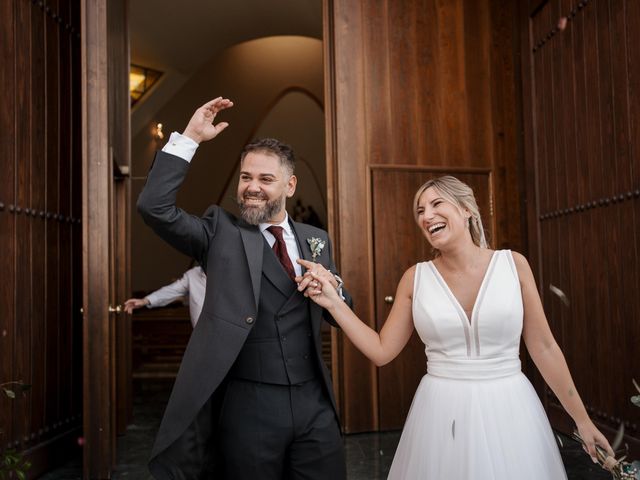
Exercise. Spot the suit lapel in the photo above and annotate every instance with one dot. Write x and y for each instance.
(253, 241)
(302, 233)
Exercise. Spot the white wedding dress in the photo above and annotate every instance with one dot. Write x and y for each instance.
(474, 415)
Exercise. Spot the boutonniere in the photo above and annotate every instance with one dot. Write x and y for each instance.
(316, 246)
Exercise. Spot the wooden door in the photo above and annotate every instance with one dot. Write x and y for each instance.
(40, 232)
(398, 244)
(120, 238)
(421, 83)
(119, 288)
(105, 200)
(581, 84)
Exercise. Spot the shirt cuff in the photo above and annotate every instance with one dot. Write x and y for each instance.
(150, 304)
(181, 146)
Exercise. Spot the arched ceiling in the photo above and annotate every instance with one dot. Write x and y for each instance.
(178, 38)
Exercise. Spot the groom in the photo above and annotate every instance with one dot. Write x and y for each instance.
(253, 398)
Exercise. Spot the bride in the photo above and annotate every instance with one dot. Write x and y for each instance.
(474, 415)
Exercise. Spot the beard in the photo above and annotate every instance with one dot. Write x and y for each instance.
(255, 215)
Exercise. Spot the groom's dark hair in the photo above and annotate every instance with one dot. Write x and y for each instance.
(274, 147)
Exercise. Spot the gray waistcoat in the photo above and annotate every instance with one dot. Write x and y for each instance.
(279, 348)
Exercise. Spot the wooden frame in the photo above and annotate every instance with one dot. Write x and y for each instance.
(99, 434)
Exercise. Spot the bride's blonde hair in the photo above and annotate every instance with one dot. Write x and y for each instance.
(461, 195)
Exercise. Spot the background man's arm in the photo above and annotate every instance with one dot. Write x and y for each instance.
(169, 293)
(161, 297)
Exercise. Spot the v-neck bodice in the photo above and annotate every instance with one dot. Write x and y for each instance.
(454, 299)
(495, 326)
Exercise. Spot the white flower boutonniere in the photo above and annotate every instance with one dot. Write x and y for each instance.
(316, 246)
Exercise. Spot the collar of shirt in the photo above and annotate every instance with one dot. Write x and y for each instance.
(288, 231)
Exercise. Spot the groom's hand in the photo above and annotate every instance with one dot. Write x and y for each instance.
(201, 127)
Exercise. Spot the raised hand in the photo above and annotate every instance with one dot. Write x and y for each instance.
(133, 303)
(201, 127)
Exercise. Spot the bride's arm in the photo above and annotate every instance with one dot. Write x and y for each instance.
(381, 347)
(549, 359)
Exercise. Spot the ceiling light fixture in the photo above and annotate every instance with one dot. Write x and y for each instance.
(141, 79)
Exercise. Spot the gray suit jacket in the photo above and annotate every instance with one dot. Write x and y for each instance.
(230, 251)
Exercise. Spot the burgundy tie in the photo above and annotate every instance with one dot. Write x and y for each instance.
(280, 249)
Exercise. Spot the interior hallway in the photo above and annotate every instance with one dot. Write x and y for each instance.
(369, 455)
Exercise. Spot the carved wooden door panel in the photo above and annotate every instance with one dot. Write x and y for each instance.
(398, 244)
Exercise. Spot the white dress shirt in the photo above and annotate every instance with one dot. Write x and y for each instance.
(181, 146)
(192, 284)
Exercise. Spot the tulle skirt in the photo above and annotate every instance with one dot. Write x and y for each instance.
(477, 430)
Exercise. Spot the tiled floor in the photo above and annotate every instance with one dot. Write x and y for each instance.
(369, 455)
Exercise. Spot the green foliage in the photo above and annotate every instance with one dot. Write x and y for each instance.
(12, 462)
(636, 398)
(9, 393)
(11, 389)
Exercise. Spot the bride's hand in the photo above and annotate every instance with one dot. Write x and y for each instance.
(318, 284)
(592, 437)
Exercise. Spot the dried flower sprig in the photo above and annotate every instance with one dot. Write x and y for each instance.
(636, 398)
(316, 244)
(620, 469)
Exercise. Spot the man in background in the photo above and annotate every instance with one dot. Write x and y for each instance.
(192, 285)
